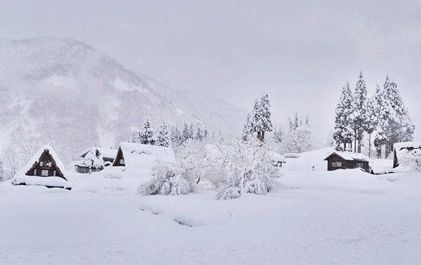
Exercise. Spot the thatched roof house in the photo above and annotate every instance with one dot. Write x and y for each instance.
(43, 169)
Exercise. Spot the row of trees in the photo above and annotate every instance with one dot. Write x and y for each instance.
(259, 123)
(383, 114)
(167, 136)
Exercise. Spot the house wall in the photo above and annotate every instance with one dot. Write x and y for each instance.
(346, 164)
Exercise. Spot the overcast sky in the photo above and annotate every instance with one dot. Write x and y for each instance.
(300, 52)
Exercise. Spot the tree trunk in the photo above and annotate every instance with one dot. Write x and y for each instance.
(369, 145)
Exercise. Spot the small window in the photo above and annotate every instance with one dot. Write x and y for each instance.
(44, 173)
(337, 164)
(122, 161)
(360, 165)
(41, 163)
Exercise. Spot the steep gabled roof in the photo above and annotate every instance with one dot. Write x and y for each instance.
(144, 155)
(349, 156)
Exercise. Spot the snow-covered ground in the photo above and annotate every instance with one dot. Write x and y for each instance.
(311, 217)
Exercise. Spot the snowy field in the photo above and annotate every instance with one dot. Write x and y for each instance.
(311, 217)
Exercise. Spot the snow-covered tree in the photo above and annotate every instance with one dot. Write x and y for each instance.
(176, 137)
(359, 113)
(278, 135)
(187, 133)
(147, 134)
(395, 124)
(372, 120)
(343, 132)
(163, 137)
(298, 138)
(259, 121)
(249, 169)
(2, 172)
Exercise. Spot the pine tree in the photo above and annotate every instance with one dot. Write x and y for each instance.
(199, 134)
(395, 123)
(163, 138)
(2, 173)
(298, 138)
(176, 137)
(343, 133)
(278, 135)
(248, 128)
(259, 120)
(372, 120)
(187, 132)
(146, 135)
(359, 117)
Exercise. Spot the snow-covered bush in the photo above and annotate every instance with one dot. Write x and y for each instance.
(165, 181)
(202, 164)
(249, 170)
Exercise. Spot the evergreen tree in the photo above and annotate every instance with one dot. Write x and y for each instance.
(395, 124)
(2, 173)
(298, 138)
(199, 134)
(146, 135)
(278, 135)
(248, 128)
(264, 123)
(372, 120)
(359, 117)
(163, 138)
(259, 121)
(176, 137)
(343, 133)
(187, 133)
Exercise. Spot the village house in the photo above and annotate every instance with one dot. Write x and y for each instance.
(347, 160)
(277, 159)
(95, 159)
(406, 153)
(43, 169)
(138, 155)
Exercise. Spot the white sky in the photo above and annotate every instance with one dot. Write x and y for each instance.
(301, 52)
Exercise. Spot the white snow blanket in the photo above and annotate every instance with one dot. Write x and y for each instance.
(310, 217)
(51, 182)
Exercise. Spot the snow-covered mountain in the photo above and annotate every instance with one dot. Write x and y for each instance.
(66, 93)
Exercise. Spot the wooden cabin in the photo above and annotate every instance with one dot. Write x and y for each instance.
(44, 169)
(347, 160)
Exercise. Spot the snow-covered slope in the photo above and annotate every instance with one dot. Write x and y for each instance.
(66, 93)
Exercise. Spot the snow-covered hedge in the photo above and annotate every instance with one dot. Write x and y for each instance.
(165, 181)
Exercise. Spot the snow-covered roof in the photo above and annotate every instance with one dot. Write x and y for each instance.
(350, 156)
(105, 152)
(144, 155)
(276, 156)
(399, 146)
(35, 158)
